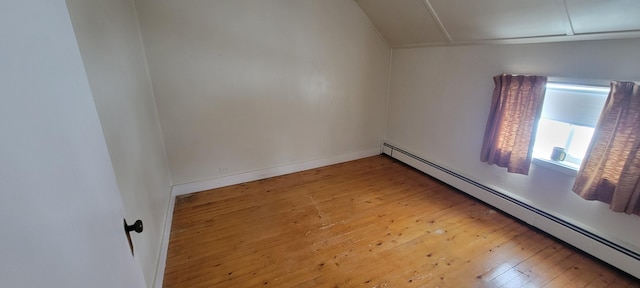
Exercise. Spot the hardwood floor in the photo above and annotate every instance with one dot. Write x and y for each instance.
(368, 223)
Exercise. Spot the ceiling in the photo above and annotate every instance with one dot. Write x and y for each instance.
(408, 23)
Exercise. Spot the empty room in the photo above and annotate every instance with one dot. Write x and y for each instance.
(320, 143)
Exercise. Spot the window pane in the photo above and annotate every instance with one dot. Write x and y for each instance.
(574, 104)
(569, 113)
(550, 134)
(580, 142)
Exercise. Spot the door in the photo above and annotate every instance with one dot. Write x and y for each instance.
(61, 216)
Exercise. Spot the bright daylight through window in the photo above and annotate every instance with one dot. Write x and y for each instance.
(569, 115)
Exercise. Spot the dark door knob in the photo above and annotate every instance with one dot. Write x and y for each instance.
(137, 226)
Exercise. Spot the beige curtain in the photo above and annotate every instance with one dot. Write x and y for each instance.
(610, 171)
(511, 127)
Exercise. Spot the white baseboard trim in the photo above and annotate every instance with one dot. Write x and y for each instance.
(198, 186)
(164, 244)
(580, 236)
(237, 179)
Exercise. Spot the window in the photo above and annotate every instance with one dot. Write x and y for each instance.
(569, 115)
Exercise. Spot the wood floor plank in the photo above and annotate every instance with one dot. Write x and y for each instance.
(368, 223)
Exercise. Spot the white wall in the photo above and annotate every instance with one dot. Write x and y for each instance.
(439, 103)
(243, 85)
(113, 55)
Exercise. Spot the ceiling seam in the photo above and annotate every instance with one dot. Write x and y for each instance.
(571, 31)
(631, 34)
(437, 19)
(384, 40)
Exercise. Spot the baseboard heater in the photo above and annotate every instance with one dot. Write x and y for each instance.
(629, 264)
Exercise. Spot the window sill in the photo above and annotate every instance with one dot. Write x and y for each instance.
(560, 166)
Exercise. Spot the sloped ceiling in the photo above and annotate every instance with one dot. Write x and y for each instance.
(407, 23)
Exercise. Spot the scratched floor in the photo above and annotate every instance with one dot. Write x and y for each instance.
(367, 223)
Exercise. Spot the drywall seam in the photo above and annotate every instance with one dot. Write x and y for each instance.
(386, 111)
(162, 253)
(153, 93)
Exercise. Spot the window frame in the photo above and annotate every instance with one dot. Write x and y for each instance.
(566, 167)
